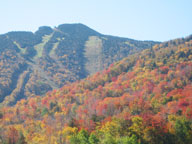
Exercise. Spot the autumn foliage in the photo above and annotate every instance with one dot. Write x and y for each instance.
(145, 98)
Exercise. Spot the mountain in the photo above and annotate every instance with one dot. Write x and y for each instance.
(146, 98)
(32, 64)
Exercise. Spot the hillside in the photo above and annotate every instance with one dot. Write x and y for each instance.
(32, 64)
(145, 98)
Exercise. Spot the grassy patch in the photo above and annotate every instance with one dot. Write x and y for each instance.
(128, 43)
(39, 47)
(22, 50)
(52, 52)
(93, 50)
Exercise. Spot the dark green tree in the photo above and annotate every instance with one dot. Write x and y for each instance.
(93, 139)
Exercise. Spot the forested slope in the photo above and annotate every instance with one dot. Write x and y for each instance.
(32, 64)
(144, 98)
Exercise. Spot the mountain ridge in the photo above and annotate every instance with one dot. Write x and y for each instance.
(54, 56)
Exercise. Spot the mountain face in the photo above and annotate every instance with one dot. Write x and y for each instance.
(146, 98)
(34, 63)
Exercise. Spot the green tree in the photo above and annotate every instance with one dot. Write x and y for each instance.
(21, 139)
(183, 131)
(108, 139)
(44, 111)
(93, 139)
(74, 139)
(128, 140)
(81, 138)
(137, 127)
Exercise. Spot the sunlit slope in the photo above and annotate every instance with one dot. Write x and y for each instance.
(144, 98)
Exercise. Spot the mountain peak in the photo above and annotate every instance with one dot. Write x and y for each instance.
(77, 28)
(44, 30)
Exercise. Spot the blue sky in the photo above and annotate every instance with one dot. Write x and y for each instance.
(158, 20)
